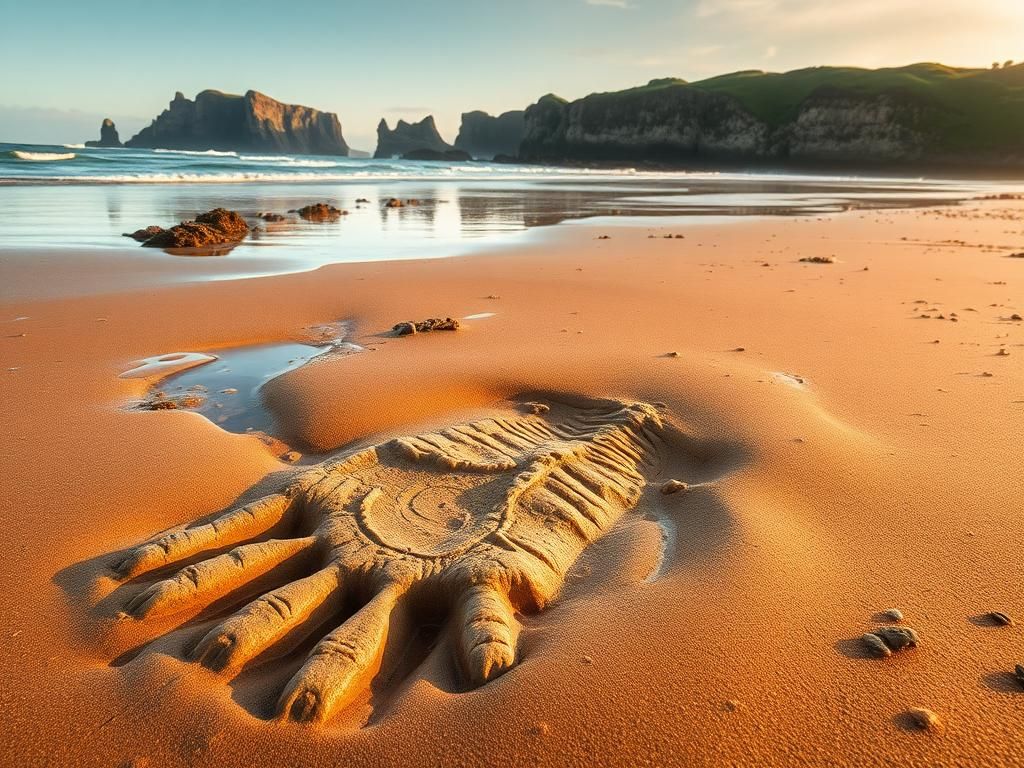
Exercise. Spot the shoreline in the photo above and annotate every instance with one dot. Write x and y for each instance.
(885, 476)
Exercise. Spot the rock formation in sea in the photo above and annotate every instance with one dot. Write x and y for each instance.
(485, 136)
(922, 115)
(108, 135)
(251, 123)
(409, 137)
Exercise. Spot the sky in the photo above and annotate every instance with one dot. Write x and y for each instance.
(67, 64)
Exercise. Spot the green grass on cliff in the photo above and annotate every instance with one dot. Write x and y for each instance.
(978, 108)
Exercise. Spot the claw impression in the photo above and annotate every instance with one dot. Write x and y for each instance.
(487, 516)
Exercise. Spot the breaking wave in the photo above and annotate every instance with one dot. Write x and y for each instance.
(41, 157)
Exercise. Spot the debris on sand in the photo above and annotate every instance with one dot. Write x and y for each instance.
(923, 719)
(161, 401)
(1000, 618)
(217, 227)
(672, 354)
(884, 641)
(319, 212)
(1018, 672)
(394, 202)
(673, 486)
(1016, 317)
(892, 614)
(291, 456)
(819, 259)
(537, 408)
(271, 217)
(424, 326)
(1017, 255)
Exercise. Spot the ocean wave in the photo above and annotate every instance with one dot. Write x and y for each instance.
(210, 152)
(41, 157)
(73, 146)
(265, 158)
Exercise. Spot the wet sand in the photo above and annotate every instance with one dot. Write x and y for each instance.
(851, 464)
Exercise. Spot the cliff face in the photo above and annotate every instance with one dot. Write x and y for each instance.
(253, 122)
(108, 135)
(409, 137)
(484, 136)
(849, 125)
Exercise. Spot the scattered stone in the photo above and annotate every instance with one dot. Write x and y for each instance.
(818, 259)
(216, 227)
(142, 235)
(740, 349)
(360, 200)
(320, 212)
(586, 660)
(430, 324)
(1003, 352)
(229, 391)
(604, 237)
(1018, 672)
(537, 408)
(892, 614)
(267, 216)
(1017, 255)
(1000, 618)
(394, 202)
(1016, 317)
(883, 641)
(673, 486)
(291, 457)
(924, 719)
(540, 729)
(161, 401)
(673, 354)
(731, 705)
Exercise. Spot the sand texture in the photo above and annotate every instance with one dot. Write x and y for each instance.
(643, 507)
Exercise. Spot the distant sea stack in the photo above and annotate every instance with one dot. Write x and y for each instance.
(409, 137)
(924, 115)
(108, 135)
(484, 136)
(251, 123)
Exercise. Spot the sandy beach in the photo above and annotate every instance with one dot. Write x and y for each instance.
(849, 431)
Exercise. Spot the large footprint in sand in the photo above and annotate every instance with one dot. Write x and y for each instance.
(486, 517)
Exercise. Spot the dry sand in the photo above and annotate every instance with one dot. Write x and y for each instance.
(849, 464)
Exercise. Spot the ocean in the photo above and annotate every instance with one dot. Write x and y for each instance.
(72, 197)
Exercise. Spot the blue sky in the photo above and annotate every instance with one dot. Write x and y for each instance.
(68, 64)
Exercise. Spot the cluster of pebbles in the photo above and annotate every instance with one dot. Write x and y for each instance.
(882, 642)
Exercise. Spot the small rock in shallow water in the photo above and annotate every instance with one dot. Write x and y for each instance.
(924, 719)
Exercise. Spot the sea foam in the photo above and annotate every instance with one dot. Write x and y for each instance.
(41, 157)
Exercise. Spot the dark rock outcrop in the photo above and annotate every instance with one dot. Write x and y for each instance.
(216, 227)
(484, 136)
(409, 137)
(450, 155)
(108, 135)
(250, 123)
(319, 212)
(426, 326)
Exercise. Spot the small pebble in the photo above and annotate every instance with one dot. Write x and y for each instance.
(673, 486)
(586, 660)
(229, 391)
(1000, 618)
(923, 718)
(892, 614)
(673, 354)
(291, 457)
(1018, 672)
(540, 729)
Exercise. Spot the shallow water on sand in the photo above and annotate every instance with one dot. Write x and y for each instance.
(453, 216)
